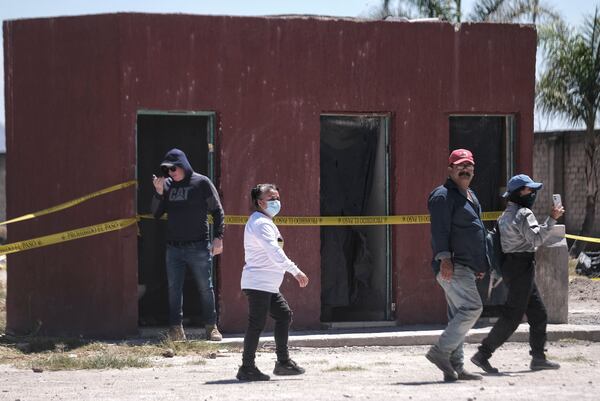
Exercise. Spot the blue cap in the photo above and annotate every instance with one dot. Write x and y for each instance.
(521, 180)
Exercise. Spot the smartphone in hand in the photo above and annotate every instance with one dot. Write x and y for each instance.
(556, 200)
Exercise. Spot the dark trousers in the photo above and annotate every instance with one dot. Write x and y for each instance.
(261, 303)
(518, 271)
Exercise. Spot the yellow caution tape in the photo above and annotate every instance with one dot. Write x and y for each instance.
(339, 220)
(490, 216)
(580, 238)
(67, 236)
(70, 203)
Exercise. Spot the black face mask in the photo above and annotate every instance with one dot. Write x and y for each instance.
(525, 200)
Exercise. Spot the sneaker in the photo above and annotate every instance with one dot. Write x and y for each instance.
(287, 368)
(251, 374)
(542, 364)
(176, 333)
(482, 362)
(442, 361)
(212, 333)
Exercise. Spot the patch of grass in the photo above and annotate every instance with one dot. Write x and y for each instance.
(196, 347)
(572, 264)
(9, 355)
(381, 363)
(574, 359)
(345, 368)
(569, 340)
(72, 354)
(197, 362)
(63, 361)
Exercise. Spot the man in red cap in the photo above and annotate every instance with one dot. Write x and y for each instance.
(459, 259)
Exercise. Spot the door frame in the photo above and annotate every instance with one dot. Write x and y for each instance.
(386, 119)
(211, 117)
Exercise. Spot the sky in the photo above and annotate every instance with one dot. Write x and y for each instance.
(571, 10)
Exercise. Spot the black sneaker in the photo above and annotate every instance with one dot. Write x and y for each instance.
(542, 364)
(482, 362)
(287, 368)
(251, 374)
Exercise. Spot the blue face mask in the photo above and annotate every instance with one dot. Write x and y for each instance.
(273, 207)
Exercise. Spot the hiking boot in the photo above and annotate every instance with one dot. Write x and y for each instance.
(251, 374)
(466, 375)
(541, 363)
(462, 374)
(442, 361)
(176, 333)
(287, 368)
(482, 362)
(212, 333)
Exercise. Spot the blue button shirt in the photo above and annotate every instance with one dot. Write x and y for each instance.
(457, 230)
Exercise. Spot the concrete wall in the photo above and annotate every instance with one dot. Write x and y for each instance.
(559, 162)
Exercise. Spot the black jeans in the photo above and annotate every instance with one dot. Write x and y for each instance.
(518, 271)
(261, 303)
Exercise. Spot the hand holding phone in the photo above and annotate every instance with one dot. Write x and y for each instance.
(556, 200)
(158, 184)
(557, 207)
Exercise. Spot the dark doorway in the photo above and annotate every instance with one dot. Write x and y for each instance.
(158, 132)
(491, 139)
(355, 260)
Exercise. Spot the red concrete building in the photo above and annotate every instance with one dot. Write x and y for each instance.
(348, 117)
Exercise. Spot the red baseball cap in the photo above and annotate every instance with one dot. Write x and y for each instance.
(461, 155)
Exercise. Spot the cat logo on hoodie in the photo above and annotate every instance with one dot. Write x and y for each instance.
(179, 194)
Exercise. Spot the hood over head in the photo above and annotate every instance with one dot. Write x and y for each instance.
(176, 157)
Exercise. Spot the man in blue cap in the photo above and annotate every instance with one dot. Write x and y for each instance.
(520, 235)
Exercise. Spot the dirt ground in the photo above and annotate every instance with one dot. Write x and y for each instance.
(584, 300)
(361, 373)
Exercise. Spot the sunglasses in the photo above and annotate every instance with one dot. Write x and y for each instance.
(166, 169)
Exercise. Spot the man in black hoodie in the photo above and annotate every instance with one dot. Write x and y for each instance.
(188, 197)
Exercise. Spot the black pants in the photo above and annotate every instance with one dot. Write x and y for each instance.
(261, 303)
(518, 271)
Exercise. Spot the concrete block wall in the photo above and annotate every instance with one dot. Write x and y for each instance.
(559, 162)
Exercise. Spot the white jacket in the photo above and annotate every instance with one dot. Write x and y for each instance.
(266, 263)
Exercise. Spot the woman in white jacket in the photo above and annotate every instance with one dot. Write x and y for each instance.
(266, 264)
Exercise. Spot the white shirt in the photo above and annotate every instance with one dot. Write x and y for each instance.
(266, 263)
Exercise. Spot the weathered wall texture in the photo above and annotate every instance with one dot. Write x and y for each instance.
(559, 162)
(75, 84)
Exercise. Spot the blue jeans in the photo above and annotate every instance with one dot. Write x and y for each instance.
(196, 256)
(464, 308)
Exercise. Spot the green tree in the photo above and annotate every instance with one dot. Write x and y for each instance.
(447, 10)
(528, 11)
(569, 87)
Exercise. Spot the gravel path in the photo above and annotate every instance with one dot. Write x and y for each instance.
(361, 373)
